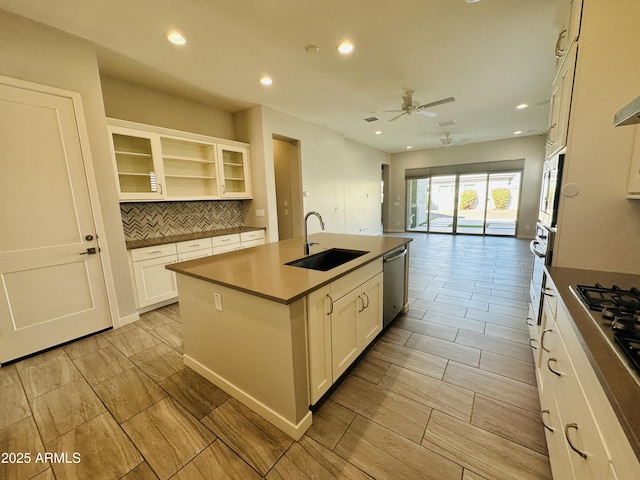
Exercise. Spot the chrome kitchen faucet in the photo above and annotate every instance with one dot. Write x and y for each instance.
(307, 244)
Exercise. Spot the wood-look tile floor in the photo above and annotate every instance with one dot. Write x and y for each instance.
(447, 393)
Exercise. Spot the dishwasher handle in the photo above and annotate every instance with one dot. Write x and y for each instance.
(396, 257)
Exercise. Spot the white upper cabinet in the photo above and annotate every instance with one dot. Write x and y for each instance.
(153, 163)
(571, 10)
(234, 169)
(137, 163)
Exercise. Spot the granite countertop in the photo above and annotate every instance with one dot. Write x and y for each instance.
(262, 271)
(618, 383)
(151, 242)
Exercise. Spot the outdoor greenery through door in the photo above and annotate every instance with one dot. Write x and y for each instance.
(477, 204)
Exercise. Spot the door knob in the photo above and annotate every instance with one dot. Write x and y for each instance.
(90, 251)
(88, 238)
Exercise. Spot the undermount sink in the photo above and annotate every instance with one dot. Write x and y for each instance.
(328, 259)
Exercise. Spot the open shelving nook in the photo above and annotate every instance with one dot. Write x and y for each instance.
(189, 168)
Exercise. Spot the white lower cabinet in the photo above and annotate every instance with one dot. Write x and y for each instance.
(154, 284)
(191, 249)
(252, 239)
(343, 318)
(584, 438)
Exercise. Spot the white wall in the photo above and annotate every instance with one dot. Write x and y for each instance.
(38, 54)
(135, 103)
(363, 173)
(339, 176)
(531, 149)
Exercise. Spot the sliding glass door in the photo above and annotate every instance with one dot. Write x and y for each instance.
(474, 204)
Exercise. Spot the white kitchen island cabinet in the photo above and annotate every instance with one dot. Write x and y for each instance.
(275, 336)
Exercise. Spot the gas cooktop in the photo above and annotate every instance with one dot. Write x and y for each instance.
(618, 318)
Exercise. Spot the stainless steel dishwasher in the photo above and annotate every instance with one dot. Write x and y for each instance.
(393, 298)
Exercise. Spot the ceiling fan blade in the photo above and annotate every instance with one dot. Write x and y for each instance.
(385, 111)
(436, 103)
(397, 116)
(427, 113)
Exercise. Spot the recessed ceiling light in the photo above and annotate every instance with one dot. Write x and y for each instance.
(266, 81)
(378, 132)
(521, 106)
(312, 49)
(517, 132)
(176, 38)
(409, 147)
(472, 1)
(345, 48)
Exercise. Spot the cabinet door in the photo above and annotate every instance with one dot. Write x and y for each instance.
(137, 164)
(345, 338)
(556, 443)
(570, 31)
(370, 318)
(319, 338)
(560, 107)
(154, 283)
(234, 171)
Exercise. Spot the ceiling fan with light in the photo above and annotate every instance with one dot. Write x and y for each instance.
(447, 141)
(411, 106)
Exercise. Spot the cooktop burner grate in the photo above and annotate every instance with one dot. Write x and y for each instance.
(598, 297)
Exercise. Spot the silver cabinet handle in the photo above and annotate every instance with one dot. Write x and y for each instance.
(331, 305)
(363, 305)
(534, 250)
(367, 297)
(549, 360)
(160, 187)
(559, 51)
(547, 292)
(530, 321)
(573, 447)
(531, 340)
(544, 332)
(542, 412)
(154, 252)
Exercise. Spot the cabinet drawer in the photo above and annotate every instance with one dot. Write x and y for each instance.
(190, 255)
(252, 243)
(157, 251)
(191, 245)
(343, 285)
(253, 235)
(223, 240)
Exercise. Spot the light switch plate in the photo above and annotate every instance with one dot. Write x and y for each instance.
(217, 298)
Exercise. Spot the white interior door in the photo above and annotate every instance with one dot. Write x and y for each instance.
(52, 285)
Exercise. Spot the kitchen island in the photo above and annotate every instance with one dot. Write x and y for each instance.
(275, 336)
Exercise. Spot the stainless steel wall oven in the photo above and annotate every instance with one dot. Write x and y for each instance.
(542, 249)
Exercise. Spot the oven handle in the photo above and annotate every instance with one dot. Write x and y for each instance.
(536, 252)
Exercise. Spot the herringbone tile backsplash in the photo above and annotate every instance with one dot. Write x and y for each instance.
(142, 220)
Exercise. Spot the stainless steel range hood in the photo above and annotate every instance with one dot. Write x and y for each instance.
(628, 115)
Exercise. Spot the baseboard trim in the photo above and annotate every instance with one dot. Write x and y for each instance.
(128, 319)
(294, 430)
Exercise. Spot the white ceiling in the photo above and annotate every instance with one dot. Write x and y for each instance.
(491, 56)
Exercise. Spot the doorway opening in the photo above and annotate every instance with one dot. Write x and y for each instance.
(288, 177)
(472, 204)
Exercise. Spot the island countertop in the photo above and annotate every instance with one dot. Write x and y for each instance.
(262, 271)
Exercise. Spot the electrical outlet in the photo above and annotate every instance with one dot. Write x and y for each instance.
(217, 298)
